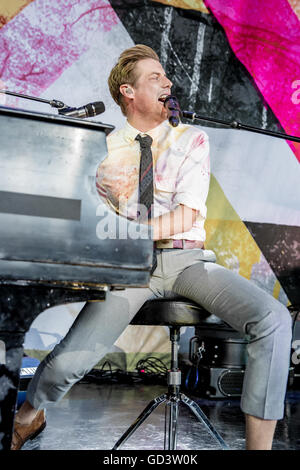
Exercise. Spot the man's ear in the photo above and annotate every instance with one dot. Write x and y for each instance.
(126, 90)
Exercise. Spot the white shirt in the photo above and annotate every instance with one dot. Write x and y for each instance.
(180, 166)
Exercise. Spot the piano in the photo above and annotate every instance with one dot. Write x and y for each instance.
(59, 242)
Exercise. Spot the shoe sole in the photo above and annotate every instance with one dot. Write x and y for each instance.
(36, 433)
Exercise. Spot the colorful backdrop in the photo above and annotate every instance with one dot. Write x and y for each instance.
(237, 60)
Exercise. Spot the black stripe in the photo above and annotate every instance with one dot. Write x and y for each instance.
(279, 245)
(233, 97)
(40, 206)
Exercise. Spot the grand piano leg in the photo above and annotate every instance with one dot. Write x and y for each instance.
(11, 346)
(19, 306)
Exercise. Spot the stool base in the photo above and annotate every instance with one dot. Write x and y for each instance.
(172, 401)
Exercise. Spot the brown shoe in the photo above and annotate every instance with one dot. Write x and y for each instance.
(23, 432)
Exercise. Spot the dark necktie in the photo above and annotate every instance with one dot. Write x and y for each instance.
(145, 174)
(146, 181)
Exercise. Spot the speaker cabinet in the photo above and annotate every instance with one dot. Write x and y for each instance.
(220, 382)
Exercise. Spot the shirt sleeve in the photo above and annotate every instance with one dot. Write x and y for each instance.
(104, 190)
(192, 181)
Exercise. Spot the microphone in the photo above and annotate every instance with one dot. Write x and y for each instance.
(89, 110)
(173, 110)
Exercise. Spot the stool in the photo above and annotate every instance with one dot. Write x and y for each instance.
(173, 313)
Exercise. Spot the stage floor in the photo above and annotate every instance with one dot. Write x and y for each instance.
(93, 416)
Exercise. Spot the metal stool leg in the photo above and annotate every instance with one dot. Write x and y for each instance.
(141, 418)
(173, 419)
(192, 405)
(173, 398)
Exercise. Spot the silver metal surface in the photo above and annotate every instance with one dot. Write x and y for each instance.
(93, 416)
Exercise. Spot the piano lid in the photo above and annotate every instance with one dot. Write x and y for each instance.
(53, 225)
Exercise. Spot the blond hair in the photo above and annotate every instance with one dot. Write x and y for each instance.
(124, 70)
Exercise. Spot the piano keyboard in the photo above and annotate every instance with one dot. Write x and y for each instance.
(27, 371)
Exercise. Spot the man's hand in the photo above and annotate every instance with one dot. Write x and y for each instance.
(178, 221)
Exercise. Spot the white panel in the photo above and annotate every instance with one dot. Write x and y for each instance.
(259, 175)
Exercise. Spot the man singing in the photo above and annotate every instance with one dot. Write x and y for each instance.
(148, 162)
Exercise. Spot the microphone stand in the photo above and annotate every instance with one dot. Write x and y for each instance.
(237, 125)
(54, 103)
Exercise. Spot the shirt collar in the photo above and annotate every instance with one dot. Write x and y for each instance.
(130, 132)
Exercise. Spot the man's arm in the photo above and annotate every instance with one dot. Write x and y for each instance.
(190, 191)
(179, 220)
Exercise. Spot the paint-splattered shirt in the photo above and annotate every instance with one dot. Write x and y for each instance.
(181, 172)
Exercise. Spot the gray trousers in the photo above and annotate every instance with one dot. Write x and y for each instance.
(194, 275)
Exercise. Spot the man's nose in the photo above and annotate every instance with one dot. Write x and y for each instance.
(168, 83)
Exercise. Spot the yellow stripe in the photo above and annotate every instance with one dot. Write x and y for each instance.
(187, 4)
(228, 237)
(10, 8)
(276, 290)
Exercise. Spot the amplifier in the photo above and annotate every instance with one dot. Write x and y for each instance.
(219, 365)
(219, 355)
(220, 382)
(28, 368)
(226, 349)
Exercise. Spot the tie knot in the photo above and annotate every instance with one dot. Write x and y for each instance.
(145, 141)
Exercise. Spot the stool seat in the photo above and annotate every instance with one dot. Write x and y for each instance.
(175, 312)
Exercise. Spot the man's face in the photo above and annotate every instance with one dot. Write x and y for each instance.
(151, 86)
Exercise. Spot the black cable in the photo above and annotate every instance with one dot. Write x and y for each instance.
(110, 369)
(152, 366)
(152, 370)
(109, 376)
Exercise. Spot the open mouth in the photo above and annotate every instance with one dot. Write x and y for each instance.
(162, 98)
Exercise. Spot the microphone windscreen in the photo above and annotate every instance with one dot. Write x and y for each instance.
(173, 109)
(92, 109)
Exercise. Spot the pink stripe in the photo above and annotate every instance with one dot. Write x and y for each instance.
(265, 37)
(46, 38)
(102, 193)
(149, 167)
